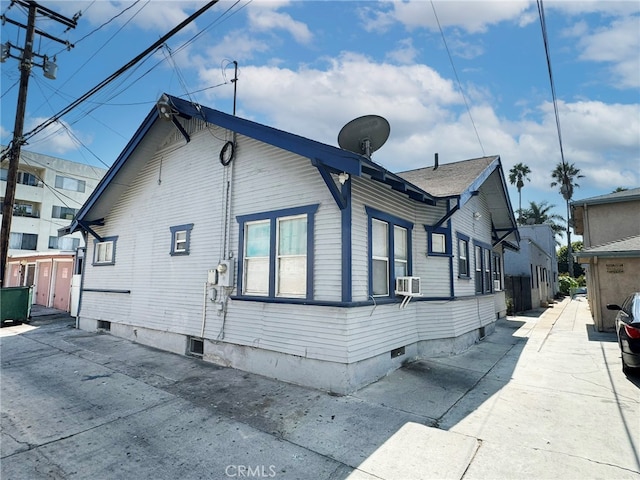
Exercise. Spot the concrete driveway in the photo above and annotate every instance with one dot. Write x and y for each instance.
(543, 397)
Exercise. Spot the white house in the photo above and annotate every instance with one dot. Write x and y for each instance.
(251, 247)
(536, 259)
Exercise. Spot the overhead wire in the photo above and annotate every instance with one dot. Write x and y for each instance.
(116, 74)
(543, 25)
(455, 72)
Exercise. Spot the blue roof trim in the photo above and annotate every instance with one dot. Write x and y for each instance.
(334, 159)
(114, 169)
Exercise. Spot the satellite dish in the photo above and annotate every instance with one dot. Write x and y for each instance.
(364, 135)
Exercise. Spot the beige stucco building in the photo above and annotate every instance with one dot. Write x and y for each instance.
(610, 226)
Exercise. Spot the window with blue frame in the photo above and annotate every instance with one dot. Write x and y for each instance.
(180, 239)
(390, 251)
(277, 253)
(463, 256)
(104, 251)
(483, 278)
(438, 241)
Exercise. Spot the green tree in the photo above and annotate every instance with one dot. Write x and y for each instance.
(563, 261)
(565, 176)
(620, 189)
(517, 175)
(540, 213)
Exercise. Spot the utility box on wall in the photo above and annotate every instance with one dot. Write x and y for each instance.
(225, 273)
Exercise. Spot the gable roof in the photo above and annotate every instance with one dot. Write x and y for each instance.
(615, 197)
(462, 180)
(326, 158)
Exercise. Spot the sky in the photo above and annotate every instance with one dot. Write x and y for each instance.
(463, 79)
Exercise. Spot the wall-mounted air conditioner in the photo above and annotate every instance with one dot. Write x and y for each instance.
(408, 286)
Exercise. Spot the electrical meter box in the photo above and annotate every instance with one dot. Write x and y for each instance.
(225, 273)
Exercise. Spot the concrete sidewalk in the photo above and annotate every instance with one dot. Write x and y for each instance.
(543, 397)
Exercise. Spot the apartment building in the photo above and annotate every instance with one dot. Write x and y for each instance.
(49, 192)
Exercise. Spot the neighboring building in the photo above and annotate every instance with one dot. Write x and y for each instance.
(254, 248)
(48, 195)
(610, 227)
(50, 274)
(537, 260)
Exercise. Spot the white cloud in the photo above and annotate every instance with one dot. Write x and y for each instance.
(56, 138)
(471, 16)
(405, 52)
(159, 15)
(263, 17)
(617, 44)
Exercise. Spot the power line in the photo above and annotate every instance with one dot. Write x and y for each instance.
(543, 25)
(455, 72)
(118, 72)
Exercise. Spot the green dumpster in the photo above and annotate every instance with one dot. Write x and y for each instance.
(15, 304)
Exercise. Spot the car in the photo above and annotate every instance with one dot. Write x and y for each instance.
(628, 330)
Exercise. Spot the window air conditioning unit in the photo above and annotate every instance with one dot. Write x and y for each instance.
(408, 286)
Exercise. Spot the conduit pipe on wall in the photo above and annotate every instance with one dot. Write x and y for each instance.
(204, 309)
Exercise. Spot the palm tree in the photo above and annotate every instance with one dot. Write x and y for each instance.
(518, 173)
(540, 214)
(565, 176)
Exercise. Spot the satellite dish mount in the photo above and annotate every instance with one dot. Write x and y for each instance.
(364, 135)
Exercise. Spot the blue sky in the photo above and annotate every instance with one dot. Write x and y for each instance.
(309, 67)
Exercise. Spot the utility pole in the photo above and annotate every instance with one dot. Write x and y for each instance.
(26, 62)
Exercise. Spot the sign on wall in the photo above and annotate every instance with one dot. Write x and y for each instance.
(615, 267)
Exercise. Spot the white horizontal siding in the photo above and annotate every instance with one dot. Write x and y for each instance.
(306, 331)
(185, 183)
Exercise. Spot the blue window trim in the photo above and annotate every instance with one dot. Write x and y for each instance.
(113, 239)
(392, 221)
(448, 246)
(187, 227)
(461, 236)
(484, 246)
(273, 216)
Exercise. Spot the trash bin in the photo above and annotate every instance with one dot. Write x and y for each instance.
(15, 304)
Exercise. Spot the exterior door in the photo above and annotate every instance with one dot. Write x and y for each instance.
(42, 287)
(62, 285)
(31, 274)
(14, 275)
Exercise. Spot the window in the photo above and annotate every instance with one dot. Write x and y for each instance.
(64, 243)
(277, 253)
(25, 210)
(390, 251)
(180, 239)
(105, 251)
(463, 256)
(482, 258)
(27, 178)
(497, 273)
(67, 183)
(438, 241)
(256, 258)
(486, 265)
(63, 212)
(292, 256)
(23, 241)
(478, 263)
